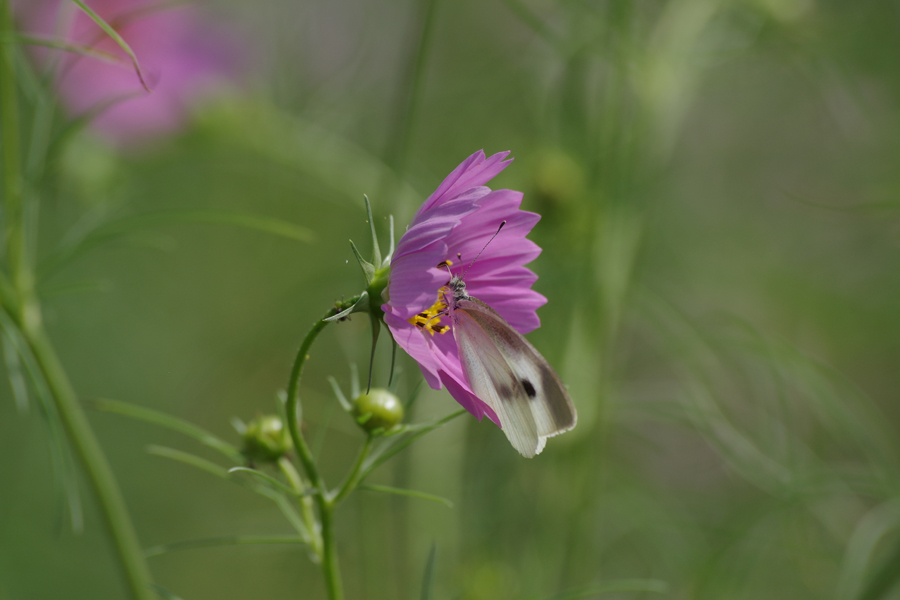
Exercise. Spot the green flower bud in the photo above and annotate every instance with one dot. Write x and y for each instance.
(379, 409)
(266, 439)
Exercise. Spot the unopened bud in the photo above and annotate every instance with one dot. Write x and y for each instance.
(266, 439)
(379, 409)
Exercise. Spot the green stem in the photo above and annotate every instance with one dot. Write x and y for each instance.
(306, 504)
(12, 172)
(98, 470)
(330, 568)
(17, 298)
(353, 477)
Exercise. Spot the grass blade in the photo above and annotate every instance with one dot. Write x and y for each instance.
(885, 578)
(612, 587)
(14, 372)
(188, 459)
(268, 479)
(428, 577)
(411, 493)
(120, 228)
(164, 593)
(57, 44)
(227, 540)
(66, 478)
(168, 421)
(116, 37)
(397, 443)
(871, 529)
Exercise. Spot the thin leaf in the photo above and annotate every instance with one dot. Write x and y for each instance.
(413, 395)
(128, 225)
(322, 429)
(76, 124)
(301, 145)
(871, 529)
(536, 24)
(411, 493)
(268, 479)
(392, 384)
(165, 420)
(619, 586)
(58, 44)
(395, 444)
(116, 37)
(14, 372)
(376, 249)
(239, 425)
(65, 475)
(164, 593)
(428, 577)
(345, 404)
(289, 512)
(227, 540)
(189, 459)
(885, 578)
(376, 329)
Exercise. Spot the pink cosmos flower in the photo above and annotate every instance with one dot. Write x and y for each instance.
(453, 225)
(182, 57)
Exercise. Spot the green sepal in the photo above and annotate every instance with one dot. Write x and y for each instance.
(376, 250)
(376, 329)
(367, 267)
(390, 254)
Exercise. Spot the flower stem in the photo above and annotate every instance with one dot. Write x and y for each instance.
(17, 298)
(325, 503)
(353, 477)
(12, 172)
(306, 504)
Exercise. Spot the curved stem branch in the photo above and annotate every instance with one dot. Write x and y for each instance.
(324, 502)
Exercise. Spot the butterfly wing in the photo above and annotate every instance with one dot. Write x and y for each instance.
(511, 376)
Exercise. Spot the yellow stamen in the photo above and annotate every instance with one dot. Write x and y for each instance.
(430, 320)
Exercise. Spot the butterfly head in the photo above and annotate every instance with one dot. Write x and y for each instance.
(456, 287)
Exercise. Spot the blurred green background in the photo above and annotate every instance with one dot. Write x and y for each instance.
(719, 189)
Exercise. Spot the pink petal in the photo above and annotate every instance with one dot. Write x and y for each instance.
(474, 171)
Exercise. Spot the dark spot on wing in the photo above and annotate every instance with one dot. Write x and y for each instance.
(529, 388)
(506, 393)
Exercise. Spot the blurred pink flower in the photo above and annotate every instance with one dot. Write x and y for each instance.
(182, 57)
(458, 219)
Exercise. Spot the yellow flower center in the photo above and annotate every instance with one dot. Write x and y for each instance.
(430, 320)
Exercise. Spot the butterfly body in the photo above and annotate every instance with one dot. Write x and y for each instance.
(507, 373)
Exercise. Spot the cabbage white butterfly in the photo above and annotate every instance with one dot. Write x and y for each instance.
(507, 373)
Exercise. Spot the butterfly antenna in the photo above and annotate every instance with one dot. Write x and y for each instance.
(463, 276)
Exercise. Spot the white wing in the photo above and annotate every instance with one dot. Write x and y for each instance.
(512, 377)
